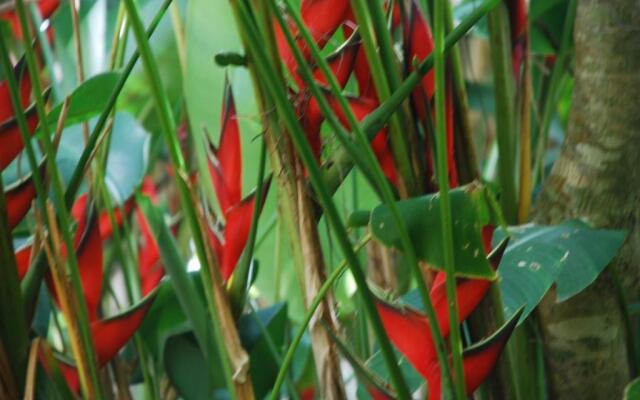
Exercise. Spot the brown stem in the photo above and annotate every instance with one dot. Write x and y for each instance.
(325, 353)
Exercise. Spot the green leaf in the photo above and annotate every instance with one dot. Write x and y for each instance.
(186, 367)
(414, 380)
(632, 392)
(164, 319)
(471, 211)
(570, 254)
(547, 19)
(87, 100)
(264, 367)
(184, 362)
(127, 155)
(191, 302)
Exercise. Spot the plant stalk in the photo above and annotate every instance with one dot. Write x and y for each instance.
(504, 105)
(442, 171)
(287, 114)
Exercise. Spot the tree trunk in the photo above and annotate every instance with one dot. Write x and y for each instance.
(597, 178)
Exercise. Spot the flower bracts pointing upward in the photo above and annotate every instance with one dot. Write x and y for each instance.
(225, 168)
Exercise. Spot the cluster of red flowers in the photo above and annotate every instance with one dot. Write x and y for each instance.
(408, 329)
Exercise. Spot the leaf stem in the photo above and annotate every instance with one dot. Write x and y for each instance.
(504, 105)
(238, 283)
(445, 205)
(14, 340)
(318, 299)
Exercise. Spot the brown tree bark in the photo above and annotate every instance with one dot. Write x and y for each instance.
(597, 178)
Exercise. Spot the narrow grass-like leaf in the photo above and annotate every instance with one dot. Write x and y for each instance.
(184, 288)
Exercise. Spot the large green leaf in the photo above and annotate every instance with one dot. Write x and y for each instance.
(186, 368)
(570, 254)
(264, 367)
(164, 319)
(632, 392)
(471, 211)
(127, 155)
(87, 100)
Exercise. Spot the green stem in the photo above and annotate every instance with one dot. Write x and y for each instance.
(273, 349)
(63, 214)
(238, 283)
(13, 326)
(505, 107)
(317, 300)
(467, 162)
(263, 64)
(370, 163)
(168, 126)
(551, 99)
(445, 205)
(46, 51)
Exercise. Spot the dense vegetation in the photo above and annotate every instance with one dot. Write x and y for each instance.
(319, 199)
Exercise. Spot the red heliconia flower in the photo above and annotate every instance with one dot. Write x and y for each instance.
(225, 167)
(104, 221)
(18, 200)
(518, 21)
(10, 140)
(236, 234)
(308, 393)
(478, 361)
(361, 68)
(409, 330)
(88, 249)
(362, 107)
(23, 258)
(341, 64)
(225, 163)
(418, 45)
(109, 336)
(322, 18)
(150, 265)
(46, 7)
